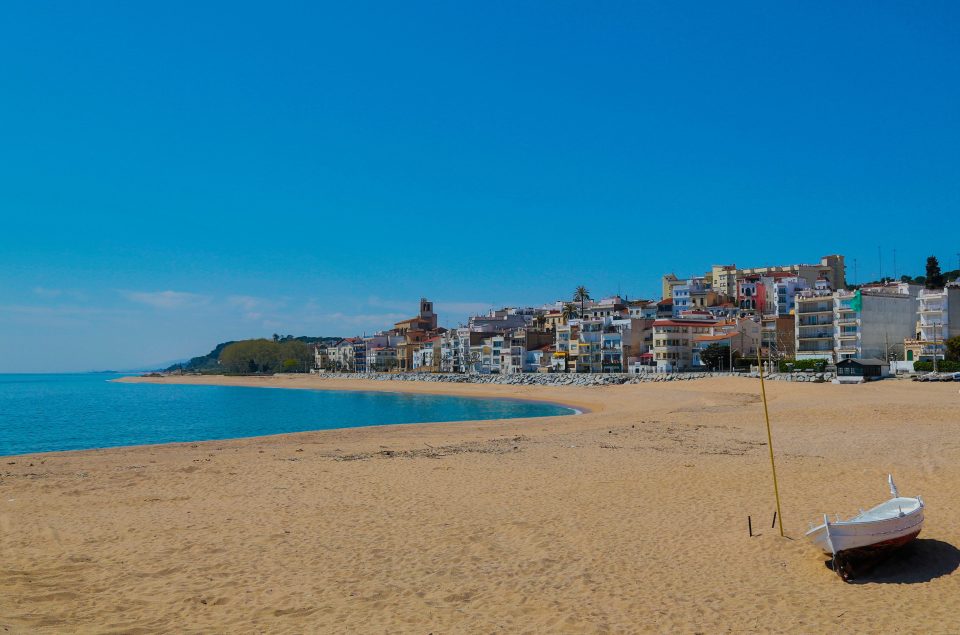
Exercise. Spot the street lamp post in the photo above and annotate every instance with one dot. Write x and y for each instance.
(935, 354)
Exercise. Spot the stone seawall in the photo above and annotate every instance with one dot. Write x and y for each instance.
(570, 379)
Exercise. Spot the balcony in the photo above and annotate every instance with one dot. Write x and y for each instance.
(815, 336)
(820, 322)
(802, 310)
(812, 349)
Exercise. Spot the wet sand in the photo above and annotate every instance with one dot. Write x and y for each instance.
(629, 518)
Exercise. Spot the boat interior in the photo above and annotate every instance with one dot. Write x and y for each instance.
(900, 506)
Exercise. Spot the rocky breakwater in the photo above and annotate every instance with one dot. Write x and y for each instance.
(568, 379)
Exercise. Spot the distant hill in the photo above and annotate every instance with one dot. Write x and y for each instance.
(210, 361)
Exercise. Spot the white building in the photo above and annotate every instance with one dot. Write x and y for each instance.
(427, 356)
(381, 359)
(873, 322)
(938, 319)
(784, 295)
(455, 350)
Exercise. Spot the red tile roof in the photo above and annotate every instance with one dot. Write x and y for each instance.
(713, 338)
(669, 322)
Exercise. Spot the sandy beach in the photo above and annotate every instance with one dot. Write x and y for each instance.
(631, 517)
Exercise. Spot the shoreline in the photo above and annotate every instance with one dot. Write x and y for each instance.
(387, 387)
(359, 384)
(497, 525)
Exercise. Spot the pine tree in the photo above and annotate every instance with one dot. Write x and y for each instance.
(934, 279)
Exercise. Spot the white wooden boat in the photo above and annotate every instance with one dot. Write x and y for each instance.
(870, 533)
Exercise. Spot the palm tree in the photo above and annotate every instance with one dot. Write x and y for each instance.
(581, 295)
(541, 320)
(568, 312)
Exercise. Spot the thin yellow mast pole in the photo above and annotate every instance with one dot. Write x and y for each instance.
(773, 466)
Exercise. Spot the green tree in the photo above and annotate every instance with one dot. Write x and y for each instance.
(265, 356)
(298, 352)
(581, 295)
(934, 279)
(569, 311)
(717, 357)
(953, 349)
(250, 356)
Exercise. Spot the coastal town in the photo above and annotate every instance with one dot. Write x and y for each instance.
(792, 316)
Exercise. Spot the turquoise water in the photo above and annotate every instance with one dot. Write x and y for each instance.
(43, 413)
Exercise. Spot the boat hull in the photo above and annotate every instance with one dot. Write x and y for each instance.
(837, 537)
(879, 548)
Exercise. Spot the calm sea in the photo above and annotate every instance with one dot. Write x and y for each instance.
(42, 413)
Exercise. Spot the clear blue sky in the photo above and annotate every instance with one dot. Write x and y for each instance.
(176, 175)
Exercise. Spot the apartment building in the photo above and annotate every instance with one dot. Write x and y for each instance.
(673, 341)
(455, 350)
(784, 295)
(566, 344)
(610, 344)
(873, 322)
(814, 336)
(938, 319)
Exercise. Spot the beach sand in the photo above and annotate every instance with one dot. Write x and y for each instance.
(629, 518)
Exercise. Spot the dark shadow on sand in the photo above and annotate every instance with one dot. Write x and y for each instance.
(922, 560)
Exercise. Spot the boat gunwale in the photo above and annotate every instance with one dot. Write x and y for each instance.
(851, 522)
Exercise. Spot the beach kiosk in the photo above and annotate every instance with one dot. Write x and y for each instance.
(857, 371)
